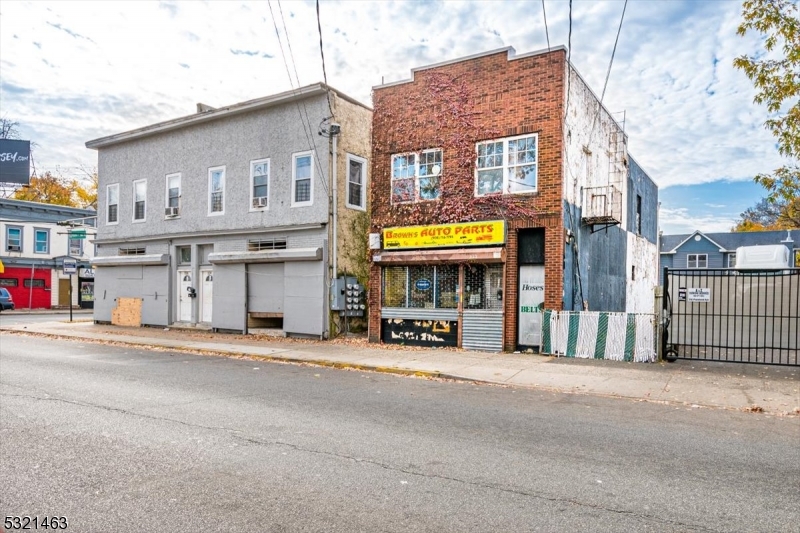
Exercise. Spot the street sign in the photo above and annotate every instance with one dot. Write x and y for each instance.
(70, 266)
(77, 234)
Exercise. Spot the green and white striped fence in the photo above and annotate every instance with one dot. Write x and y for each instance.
(596, 335)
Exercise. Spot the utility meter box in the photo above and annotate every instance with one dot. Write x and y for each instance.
(348, 297)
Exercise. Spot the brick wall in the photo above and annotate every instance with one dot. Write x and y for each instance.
(507, 97)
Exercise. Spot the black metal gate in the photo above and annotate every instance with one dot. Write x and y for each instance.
(735, 316)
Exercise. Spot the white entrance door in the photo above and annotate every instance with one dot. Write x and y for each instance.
(184, 301)
(206, 295)
(531, 304)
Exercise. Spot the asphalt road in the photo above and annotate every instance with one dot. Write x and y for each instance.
(118, 439)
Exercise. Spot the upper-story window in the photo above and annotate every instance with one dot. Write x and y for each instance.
(139, 200)
(356, 182)
(507, 166)
(112, 204)
(13, 239)
(259, 184)
(216, 190)
(41, 241)
(416, 177)
(173, 194)
(697, 261)
(302, 179)
(731, 260)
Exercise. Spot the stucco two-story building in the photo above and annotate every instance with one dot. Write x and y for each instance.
(225, 217)
(501, 186)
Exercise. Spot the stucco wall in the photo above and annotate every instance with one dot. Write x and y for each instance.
(232, 141)
(356, 124)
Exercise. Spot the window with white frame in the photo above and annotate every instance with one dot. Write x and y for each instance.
(173, 193)
(112, 204)
(302, 179)
(259, 184)
(216, 190)
(139, 200)
(507, 166)
(697, 261)
(41, 241)
(731, 260)
(356, 182)
(416, 177)
(13, 239)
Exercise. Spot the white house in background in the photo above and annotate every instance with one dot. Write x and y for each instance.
(35, 240)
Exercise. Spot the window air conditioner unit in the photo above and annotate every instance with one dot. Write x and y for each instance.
(172, 211)
(13, 248)
(260, 202)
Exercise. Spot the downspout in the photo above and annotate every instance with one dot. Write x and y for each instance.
(334, 132)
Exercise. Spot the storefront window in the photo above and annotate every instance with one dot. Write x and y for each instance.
(425, 286)
(483, 287)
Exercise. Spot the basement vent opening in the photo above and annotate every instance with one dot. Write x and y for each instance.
(269, 244)
(131, 251)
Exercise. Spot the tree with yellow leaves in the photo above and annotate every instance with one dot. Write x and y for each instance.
(775, 74)
(54, 189)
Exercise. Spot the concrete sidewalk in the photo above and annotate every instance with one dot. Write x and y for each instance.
(686, 384)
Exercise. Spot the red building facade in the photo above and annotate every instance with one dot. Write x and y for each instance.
(471, 140)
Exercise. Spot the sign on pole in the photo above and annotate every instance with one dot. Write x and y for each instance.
(70, 266)
(77, 234)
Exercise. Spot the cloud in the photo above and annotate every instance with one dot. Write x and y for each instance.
(69, 32)
(245, 52)
(681, 220)
(170, 7)
(6, 87)
(689, 114)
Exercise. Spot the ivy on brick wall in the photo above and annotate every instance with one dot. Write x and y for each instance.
(443, 116)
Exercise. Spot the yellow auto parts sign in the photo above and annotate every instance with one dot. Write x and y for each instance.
(445, 235)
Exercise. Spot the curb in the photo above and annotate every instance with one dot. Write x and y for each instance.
(275, 358)
(389, 370)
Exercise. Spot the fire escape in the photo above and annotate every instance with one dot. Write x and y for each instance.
(602, 206)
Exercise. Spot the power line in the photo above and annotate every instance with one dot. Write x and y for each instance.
(545, 25)
(322, 54)
(297, 105)
(303, 102)
(608, 73)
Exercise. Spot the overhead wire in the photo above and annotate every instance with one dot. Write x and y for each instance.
(303, 102)
(322, 54)
(608, 72)
(305, 122)
(546, 32)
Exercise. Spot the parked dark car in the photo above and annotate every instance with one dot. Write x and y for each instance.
(6, 301)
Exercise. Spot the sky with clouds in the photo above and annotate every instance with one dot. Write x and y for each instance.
(74, 71)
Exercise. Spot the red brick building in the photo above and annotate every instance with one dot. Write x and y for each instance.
(487, 195)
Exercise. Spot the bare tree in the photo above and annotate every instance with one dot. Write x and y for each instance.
(9, 129)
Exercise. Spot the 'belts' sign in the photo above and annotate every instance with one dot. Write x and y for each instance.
(445, 235)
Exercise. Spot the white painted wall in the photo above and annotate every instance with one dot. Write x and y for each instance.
(587, 143)
(643, 255)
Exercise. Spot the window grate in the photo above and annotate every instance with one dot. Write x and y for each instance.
(132, 251)
(266, 244)
(424, 286)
